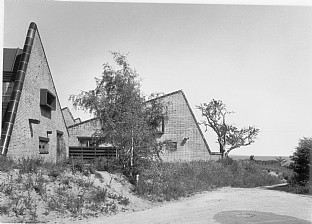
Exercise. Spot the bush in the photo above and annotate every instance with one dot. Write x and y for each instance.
(29, 165)
(301, 162)
(111, 165)
(166, 181)
(6, 163)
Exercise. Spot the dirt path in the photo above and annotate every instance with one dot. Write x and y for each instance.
(226, 205)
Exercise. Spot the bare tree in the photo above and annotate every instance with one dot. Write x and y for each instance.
(229, 136)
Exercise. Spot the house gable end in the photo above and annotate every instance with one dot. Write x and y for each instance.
(36, 120)
(182, 129)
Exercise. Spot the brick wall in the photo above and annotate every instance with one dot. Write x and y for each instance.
(180, 124)
(83, 129)
(24, 143)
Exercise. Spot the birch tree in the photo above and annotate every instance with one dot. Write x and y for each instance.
(126, 121)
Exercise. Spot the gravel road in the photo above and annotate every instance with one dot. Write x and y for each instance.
(225, 205)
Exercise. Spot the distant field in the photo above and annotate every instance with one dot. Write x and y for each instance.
(264, 158)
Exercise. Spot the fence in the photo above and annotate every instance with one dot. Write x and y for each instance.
(91, 152)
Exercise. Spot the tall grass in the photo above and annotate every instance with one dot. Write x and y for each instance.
(66, 188)
(167, 181)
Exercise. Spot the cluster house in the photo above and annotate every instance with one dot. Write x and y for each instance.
(34, 125)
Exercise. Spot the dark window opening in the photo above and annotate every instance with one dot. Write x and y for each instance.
(43, 145)
(89, 142)
(170, 145)
(47, 99)
(161, 126)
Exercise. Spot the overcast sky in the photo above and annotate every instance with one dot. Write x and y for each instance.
(256, 59)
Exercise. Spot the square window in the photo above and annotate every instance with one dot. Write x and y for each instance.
(47, 99)
(43, 145)
(161, 126)
(170, 145)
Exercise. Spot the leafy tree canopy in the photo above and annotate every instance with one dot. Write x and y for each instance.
(126, 120)
(302, 161)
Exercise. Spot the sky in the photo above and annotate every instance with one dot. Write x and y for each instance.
(255, 58)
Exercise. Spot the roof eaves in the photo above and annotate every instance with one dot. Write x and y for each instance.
(163, 96)
(83, 122)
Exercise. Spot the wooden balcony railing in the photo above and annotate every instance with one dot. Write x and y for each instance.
(91, 152)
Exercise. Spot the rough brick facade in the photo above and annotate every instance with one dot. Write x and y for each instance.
(83, 129)
(181, 128)
(33, 122)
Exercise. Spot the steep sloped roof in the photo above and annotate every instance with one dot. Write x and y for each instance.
(161, 97)
(191, 111)
(15, 63)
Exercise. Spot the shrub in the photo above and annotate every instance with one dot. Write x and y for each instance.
(301, 162)
(29, 165)
(6, 163)
(56, 169)
(99, 195)
(167, 181)
(111, 165)
(77, 165)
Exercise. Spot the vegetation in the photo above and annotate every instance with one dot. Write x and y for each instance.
(167, 181)
(229, 136)
(302, 162)
(31, 190)
(301, 165)
(126, 121)
(280, 160)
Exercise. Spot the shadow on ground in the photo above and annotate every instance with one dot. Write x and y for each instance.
(250, 217)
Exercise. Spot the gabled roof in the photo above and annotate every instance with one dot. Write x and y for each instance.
(82, 122)
(15, 63)
(66, 110)
(190, 109)
(161, 97)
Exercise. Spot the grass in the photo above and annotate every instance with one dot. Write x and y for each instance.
(295, 189)
(283, 171)
(31, 188)
(167, 181)
(67, 187)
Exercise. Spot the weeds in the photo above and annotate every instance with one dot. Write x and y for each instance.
(6, 163)
(167, 181)
(64, 188)
(99, 195)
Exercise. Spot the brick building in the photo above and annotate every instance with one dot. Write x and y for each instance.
(179, 129)
(69, 119)
(33, 124)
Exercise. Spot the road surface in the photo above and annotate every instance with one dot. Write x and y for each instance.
(225, 205)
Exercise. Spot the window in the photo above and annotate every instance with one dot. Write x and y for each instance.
(170, 145)
(47, 99)
(161, 126)
(89, 142)
(43, 145)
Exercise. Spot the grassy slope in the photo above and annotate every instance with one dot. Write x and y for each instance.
(32, 190)
(166, 181)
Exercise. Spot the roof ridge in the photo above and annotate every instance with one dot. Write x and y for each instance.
(165, 95)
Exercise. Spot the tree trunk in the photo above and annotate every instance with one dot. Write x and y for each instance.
(221, 150)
